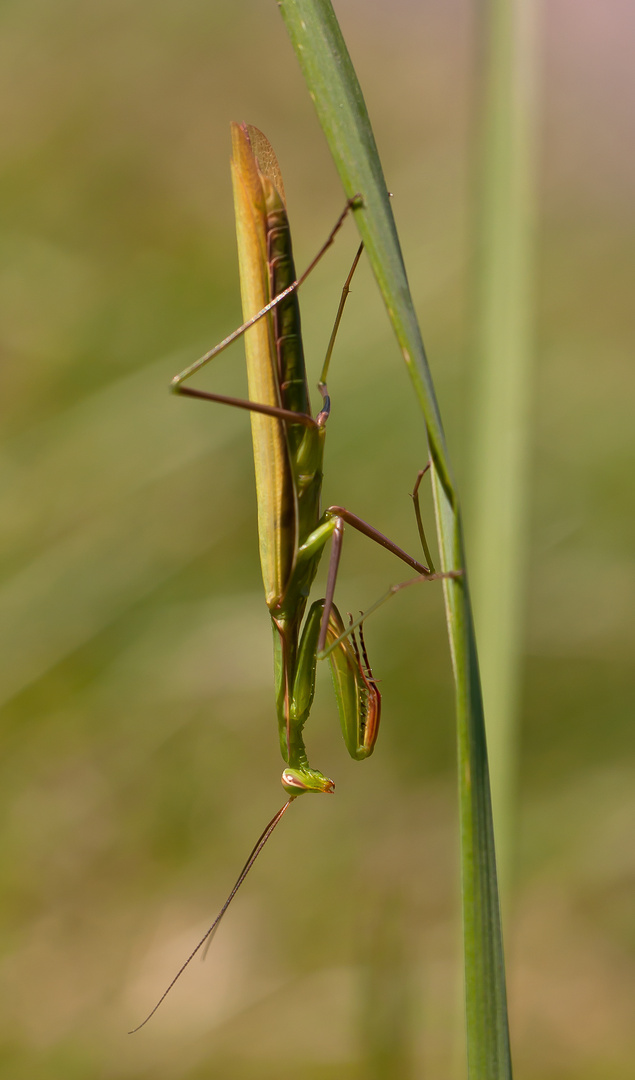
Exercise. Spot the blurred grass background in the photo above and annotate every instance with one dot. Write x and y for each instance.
(139, 746)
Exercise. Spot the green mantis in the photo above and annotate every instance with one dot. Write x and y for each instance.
(288, 446)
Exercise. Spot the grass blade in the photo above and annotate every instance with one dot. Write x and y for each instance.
(501, 441)
(335, 91)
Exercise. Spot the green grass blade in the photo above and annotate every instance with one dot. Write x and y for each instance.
(337, 96)
(502, 364)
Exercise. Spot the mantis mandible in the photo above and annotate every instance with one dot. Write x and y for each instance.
(288, 445)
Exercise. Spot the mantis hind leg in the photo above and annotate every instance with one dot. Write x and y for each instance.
(328, 644)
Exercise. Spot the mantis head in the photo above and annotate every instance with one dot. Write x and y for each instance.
(302, 780)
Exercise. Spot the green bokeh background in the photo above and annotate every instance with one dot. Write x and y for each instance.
(139, 744)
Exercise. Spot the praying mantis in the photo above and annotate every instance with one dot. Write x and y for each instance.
(288, 446)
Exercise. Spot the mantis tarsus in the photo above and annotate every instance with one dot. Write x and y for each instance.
(288, 444)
